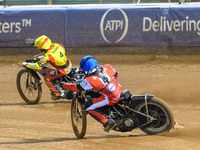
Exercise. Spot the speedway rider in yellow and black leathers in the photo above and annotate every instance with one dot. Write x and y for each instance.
(54, 54)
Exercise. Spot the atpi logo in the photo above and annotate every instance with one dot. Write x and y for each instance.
(114, 25)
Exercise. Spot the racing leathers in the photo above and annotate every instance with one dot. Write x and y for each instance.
(104, 80)
(55, 55)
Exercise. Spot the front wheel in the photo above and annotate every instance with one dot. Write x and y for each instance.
(78, 117)
(161, 112)
(29, 87)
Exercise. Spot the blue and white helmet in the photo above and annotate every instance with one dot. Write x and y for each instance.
(88, 63)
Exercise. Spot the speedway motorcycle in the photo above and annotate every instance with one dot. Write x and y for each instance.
(29, 83)
(150, 114)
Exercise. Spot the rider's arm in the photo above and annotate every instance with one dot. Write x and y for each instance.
(72, 87)
(37, 65)
(77, 87)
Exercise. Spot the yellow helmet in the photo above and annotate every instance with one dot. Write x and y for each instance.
(43, 42)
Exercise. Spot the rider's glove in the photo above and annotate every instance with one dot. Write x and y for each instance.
(24, 64)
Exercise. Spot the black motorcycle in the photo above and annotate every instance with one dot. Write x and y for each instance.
(29, 82)
(151, 114)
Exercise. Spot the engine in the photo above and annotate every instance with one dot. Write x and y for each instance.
(126, 121)
(126, 124)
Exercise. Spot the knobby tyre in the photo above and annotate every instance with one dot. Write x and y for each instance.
(29, 87)
(78, 117)
(160, 110)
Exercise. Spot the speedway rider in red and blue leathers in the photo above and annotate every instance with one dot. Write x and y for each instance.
(104, 80)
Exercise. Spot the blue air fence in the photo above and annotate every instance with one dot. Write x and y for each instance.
(102, 25)
(20, 26)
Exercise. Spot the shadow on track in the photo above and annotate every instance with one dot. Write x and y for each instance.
(27, 141)
(21, 104)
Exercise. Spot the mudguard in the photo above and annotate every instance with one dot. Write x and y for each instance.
(138, 99)
(141, 97)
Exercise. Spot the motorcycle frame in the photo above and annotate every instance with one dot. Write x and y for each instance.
(140, 99)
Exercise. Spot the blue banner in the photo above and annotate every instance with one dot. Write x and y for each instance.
(21, 26)
(102, 25)
(134, 26)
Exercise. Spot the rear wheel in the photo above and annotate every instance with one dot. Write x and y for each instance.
(78, 117)
(29, 87)
(161, 111)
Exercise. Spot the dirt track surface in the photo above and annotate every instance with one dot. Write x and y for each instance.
(47, 125)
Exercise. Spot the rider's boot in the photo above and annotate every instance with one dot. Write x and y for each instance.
(54, 88)
(60, 91)
(109, 125)
(62, 95)
(54, 97)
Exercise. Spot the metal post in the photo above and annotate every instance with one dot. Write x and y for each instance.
(49, 2)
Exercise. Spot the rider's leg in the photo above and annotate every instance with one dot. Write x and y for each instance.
(101, 114)
(52, 86)
(103, 118)
(48, 74)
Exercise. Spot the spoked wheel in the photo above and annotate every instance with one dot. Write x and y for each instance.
(161, 112)
(29, 87)
(78, 117)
